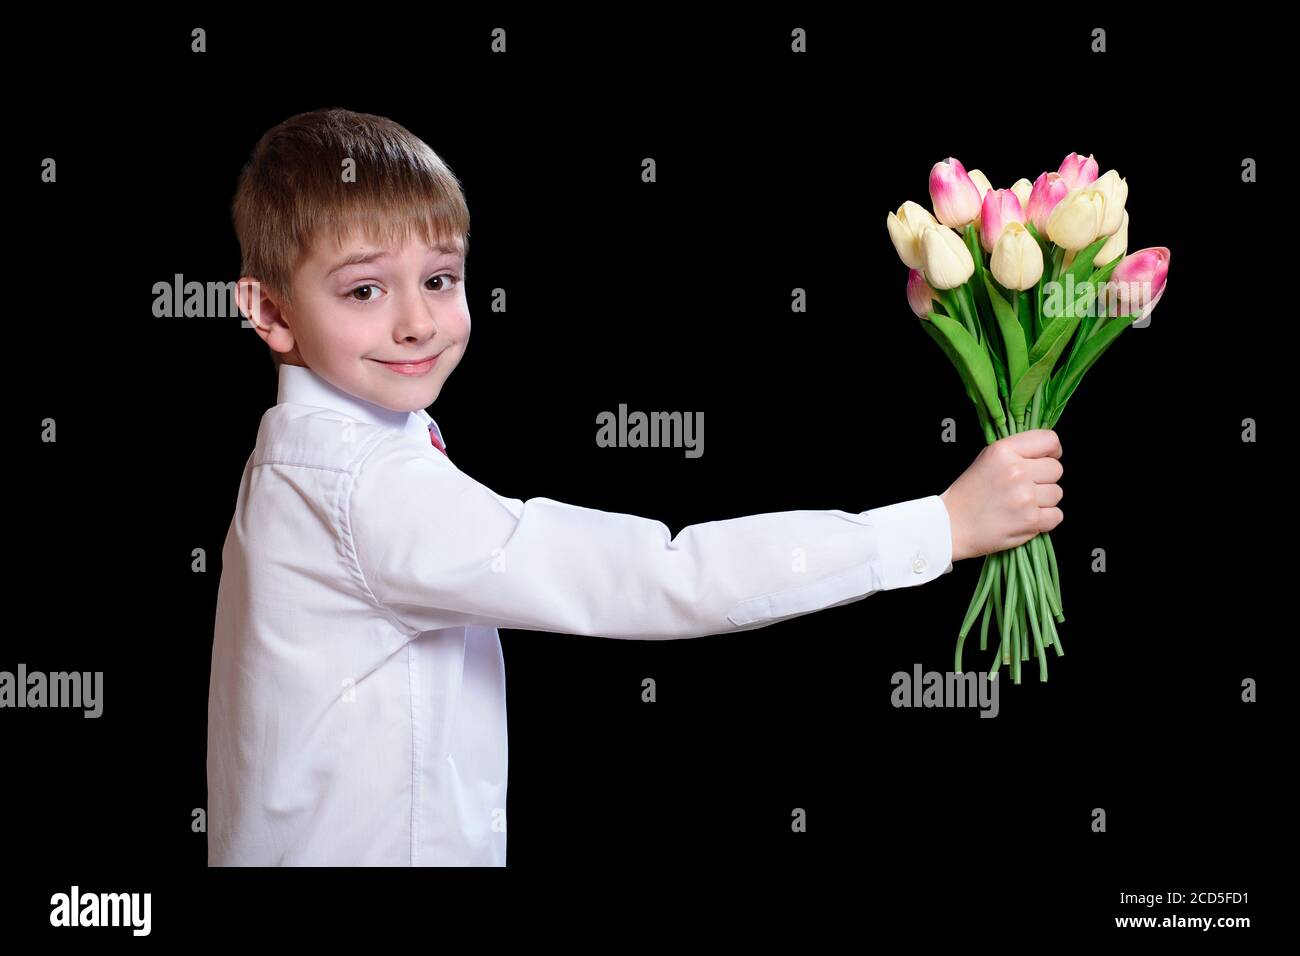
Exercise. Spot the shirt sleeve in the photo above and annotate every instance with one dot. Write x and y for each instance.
(437, 549)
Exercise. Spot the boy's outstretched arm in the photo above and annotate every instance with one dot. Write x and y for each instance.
(438, 549)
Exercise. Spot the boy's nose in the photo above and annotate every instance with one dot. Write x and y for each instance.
(419, 319)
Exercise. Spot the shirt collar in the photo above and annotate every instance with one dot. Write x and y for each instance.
(299, 385)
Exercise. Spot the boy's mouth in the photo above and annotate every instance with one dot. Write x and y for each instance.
(409, 367)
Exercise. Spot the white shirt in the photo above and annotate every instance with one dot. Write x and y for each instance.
(357, 704)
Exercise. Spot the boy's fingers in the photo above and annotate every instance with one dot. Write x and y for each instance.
(1044, 471)
(1036, 443)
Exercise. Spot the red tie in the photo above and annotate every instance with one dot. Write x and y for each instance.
(436, 443)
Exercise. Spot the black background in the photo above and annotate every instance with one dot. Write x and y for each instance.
(775, 171)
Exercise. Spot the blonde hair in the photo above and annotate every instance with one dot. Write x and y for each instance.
(292, 190)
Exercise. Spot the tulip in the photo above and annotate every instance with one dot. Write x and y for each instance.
(919, 294)
(1049, 189)
(1017, 260)
(1000, 207)
(1137, 283)
(948, 262)
(1076, 220)
(1023, 188)
(984, 186)
(1115, 245)
(905, 230)
(1077, 171)
(953, 193)
(1115, 192)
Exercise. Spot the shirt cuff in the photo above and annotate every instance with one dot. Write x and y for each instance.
(913, 542)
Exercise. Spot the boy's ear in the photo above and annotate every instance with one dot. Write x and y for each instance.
(264, 313)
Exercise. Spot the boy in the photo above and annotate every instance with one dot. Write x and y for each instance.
(357, 707)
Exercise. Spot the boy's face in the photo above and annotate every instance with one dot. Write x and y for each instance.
(354, 322)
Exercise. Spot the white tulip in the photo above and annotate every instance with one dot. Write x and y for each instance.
(1076, 220)
(1022, 190)
(948, 262)
(1115, 246)
(905, 230)
(1115, 192)
(1017, 260)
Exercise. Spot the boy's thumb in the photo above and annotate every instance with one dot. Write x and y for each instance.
(1036, 443)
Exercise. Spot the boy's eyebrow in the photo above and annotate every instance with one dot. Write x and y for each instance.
(359, 257)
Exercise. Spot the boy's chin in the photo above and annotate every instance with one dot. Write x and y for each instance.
(419, 400)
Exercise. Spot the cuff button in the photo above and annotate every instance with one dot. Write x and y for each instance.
(918, 563)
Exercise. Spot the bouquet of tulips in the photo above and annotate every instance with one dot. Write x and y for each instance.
(1024, 289)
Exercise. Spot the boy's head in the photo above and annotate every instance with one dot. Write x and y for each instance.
(353, 235)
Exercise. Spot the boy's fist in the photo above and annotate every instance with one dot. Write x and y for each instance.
(1008, 494)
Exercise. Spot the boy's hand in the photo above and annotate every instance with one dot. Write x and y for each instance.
(1007, 496)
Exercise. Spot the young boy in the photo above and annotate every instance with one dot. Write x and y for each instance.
(357, 705)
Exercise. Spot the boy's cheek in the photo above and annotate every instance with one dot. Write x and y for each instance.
(460, 327)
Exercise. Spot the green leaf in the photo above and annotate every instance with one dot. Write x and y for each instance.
(949, 300)
(948, 350)
(1028, 305)
(999, 371)
(968, 355)
(1058, 257)
(1013, 334)
(1082, 264)
(1068, 297)
(1042, 358)
(969, 312)
(978, 281)
(1089, 352)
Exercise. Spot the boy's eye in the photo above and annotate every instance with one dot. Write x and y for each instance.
(449, 282)
(448, 277)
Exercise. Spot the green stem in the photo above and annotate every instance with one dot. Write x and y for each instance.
(1045, 610)
(1030, 584)
(1009, 616)
(1003, 652)
(988, 615)
(1038, 549)
(977, 602)
(968, 313)
(997, 590)
(952, 305)
(1015, 652)
(1056, 577)
(1056, 640)
(989, 435)
(1038, 311)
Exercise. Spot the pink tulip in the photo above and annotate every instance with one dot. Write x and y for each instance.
(1049, 189)
(1077, 171)
(1000, 207)
(919, 294)
(1137, 283)
(953, 193)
